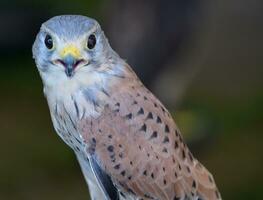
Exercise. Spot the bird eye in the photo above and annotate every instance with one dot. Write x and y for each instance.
(49, 41)
(91, 41)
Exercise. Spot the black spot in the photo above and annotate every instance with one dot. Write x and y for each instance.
(77, 108)
(190, 156)
(91, 150)
(145, 98)
(123, 173)
(176, 198)
(167, 130)
(150, 115)
(112, 156)
(176, 133)
(152, 175)
(117, 110)
(175, 174)
(166, 139)
(164, 181)
(110, 148)
(143, 128)
(155, 105)
(154, 135)
(194, 184)
(140, 112)
(176, 145)
(110, 136)
(77, 140)
(164, 169)
(123, 195)
(128, 116)
(131, 163)
(117, 166)
(148, 196)
(93, 141)
(120, 145)
(140, 147)
(138, 94)
(135, 102)
(158, 120)
(129, 177)
(188, 169)
(122, 184)
(131, 191)
(117, 104)
(148, 155)
(105, 92)
(145, 172)
(183, 154)
(180, 168)
(165, 150)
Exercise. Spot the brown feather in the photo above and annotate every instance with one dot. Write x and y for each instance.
(140, 147)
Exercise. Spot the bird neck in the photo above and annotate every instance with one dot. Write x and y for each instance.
(89, 92)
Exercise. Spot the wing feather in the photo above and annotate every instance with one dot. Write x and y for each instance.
(142, 150)
(104, 180)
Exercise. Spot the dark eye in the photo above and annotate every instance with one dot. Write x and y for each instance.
(49, 42)
(91, 41)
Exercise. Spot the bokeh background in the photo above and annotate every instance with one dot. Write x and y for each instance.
(203, 59)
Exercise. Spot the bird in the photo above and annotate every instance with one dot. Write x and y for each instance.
(125, 140)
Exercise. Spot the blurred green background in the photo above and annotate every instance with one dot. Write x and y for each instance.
(203, 59)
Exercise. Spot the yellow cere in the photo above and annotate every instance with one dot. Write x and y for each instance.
(70, 49)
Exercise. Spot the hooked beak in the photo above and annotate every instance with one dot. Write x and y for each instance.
(70, 63)
(70, 60)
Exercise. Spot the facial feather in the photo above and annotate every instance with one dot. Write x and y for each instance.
(103, 63)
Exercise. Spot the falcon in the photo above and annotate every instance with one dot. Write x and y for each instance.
(126, 142)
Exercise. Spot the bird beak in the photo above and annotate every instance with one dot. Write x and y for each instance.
(70, 59)
(69, 64)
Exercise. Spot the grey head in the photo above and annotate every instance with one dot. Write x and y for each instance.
(71, 26)
(68, 45)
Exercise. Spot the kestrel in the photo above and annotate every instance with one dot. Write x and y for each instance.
(125, 140)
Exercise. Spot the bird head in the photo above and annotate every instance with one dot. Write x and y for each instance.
(71, 46)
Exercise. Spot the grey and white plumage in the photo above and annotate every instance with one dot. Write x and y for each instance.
(126, 142)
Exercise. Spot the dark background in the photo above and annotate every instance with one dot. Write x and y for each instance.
(203, 59)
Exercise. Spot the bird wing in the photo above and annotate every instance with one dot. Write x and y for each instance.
(137, 143)
(104, 180)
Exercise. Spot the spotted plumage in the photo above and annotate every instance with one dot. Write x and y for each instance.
(126, 141)
(159, 167)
